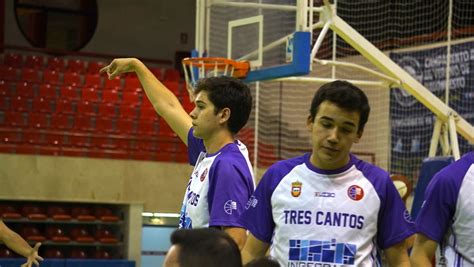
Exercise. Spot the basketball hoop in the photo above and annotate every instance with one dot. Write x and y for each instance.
(203, 67)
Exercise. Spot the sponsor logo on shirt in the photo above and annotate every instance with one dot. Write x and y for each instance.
(324, 194)
(407, 216)
(203, 175)
(296, 189)
(355, 192)
(252, 202)
(229, 206)
(321, 253)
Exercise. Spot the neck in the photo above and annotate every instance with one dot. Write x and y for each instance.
(218, 141)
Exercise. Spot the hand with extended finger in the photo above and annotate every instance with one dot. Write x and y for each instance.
(33, 258)
(119, 66)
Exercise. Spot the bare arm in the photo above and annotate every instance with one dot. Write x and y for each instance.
(15, 242)
(163, 100)
(238, 234)
(253, 249)
(397, 255)
(423, 251)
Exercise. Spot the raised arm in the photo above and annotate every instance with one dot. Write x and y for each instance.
(423, 251)
(163, 100)
(15, 242)
(253, 249)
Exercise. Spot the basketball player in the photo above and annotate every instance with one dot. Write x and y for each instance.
(222, 179)
(327, 207)
(446, 218)
(15, 242)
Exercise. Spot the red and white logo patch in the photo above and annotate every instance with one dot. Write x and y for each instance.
(203, 175)
(355, 192)
(296, 189)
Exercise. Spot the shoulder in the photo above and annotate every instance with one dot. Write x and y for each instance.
(453, 175)
(279, 170)
(371, 172)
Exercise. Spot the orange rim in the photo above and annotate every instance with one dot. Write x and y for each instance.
(240, 67)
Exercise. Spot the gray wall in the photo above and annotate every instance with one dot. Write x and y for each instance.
(140, 28)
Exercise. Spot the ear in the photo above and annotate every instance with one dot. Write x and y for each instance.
(309, 123)
(224, 115)
(359, 136)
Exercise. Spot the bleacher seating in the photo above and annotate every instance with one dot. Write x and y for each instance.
(57, 106)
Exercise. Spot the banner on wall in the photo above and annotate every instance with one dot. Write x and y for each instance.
(411, 122)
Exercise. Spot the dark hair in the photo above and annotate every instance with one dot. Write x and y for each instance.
(263, 262)
(206, 247)
(228, 92)
(346, 96)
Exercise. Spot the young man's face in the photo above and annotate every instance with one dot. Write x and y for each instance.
(205, 121)
(333, 131)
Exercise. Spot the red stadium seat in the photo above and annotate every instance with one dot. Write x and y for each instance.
(69, 93)
(51, 77)
(47, 90)
(43, 104)
(13, 60)
(16, 119)
(55, 63)
(25, 89)
(53, 253)
(33, 212)
(64, 106)
(83, 123)
(30, 75)
(132, 98)
(37, 120)
(104, 125)
(148, 114)
(172, 75)
(110, 96)
(157, 72)
(58, 213)
(78, 253)
(81, 234)
(34, 62)
(146, 127)
(82, 214)
(102, 254)
(60, 122)
(105, 214)
(125, 127)
(72, 78)
(8, 211)
(31, 233)
(57, 234)
(128, 111)
(86, 108)
(90, 94)
(94, 67)
(104, 235)
(114, 84)
(8, 73)
(132, 83)
(173, 86)
(76, 65)
(93, 80)
(107, 110)
(6, 253)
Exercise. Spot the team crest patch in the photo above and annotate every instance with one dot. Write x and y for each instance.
(355, 192)
(296, 189)
(203, 175)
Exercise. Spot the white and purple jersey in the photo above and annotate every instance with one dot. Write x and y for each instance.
(447, 213)
(315, 217)
(219, 186)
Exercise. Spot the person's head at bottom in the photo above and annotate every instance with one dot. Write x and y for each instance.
(202, 247)
(263, 262)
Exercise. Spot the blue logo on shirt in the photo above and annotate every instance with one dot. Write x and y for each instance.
(322, 251)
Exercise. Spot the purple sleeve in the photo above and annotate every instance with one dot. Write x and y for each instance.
(230, 186)
(195, 146)
(439, 204)
(394, 223)
(257, 217)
